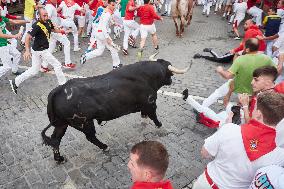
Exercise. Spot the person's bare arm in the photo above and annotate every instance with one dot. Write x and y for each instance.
(244, 101)
(18, 22)
(224, 73)
(27, 54)
(205, 154)
(9, 36)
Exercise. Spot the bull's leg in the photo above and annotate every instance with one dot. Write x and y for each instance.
(176, 25)
(57, 135)
(151, 112)
(90, 131)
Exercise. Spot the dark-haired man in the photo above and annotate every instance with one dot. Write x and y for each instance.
(250, 146)
(41, 31)
(148, 164)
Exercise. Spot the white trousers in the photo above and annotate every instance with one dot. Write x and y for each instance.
(68, 23)
(218, 93)
(12, 41)
(206, 8)
(218, 5)
(201, 182)
(64, 41)
(257, 15)
(28, 28)
(101, 45)
(269, 45)
(168, 6)
(90, 22)
(37, 58)
(6, 54)
(130, 27)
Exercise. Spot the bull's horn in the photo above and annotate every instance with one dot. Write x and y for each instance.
(152, 57)
(176, 70)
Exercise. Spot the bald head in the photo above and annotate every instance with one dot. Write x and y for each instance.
(252, 45)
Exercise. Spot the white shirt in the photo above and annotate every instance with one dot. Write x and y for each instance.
(270, 177)
(231, 168)
(279, 42)
(4, 11)
(240, 9)
(104, 23)
(69, 12)
(52, 14)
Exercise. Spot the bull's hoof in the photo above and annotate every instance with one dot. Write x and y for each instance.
(59, 159)
(106, 149)
(158, 125)
(185, 94)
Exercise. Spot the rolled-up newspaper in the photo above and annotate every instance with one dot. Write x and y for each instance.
(21, 31)
(117, 47)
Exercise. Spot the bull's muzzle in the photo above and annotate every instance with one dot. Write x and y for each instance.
(175, 70)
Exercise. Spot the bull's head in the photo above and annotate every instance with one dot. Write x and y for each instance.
(170, 70)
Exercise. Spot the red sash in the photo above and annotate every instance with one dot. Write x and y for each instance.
(152, 185)
(258, 139)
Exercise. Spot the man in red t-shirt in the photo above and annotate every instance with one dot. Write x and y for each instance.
(148, 164)
(131, 28)
(147, 16)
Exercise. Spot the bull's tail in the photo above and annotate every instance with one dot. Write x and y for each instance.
(47, 140)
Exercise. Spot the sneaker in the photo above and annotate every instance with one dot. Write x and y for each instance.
(197, 56)
(13, 86)
(164, 14)
(237, 38)
(77, 49)
(118, 66)
(139, 55)
(69, 66)
(203, 13)
(185, 94)
(17, 73)
(44, 70)
(83, 59)
(207, 15)
(1, 64)
(207, 50)
(229, 23)
(124, 51)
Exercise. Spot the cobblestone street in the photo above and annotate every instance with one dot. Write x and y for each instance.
(26, 163)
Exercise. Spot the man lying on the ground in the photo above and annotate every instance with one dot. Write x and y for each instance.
(263, 80)
(251, 31)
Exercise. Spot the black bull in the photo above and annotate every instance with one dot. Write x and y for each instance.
(129, 89)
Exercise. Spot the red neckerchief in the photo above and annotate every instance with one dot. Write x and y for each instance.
(69, 3)
(152, 185)
(207, 121)
(49, 2)
(1, 18)
(258, 139)
(279, 88)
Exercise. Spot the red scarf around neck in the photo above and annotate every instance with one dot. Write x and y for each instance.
(258, 139)
(152, 185)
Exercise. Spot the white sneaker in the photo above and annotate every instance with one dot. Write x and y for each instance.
(77, 49)
(237, 38)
